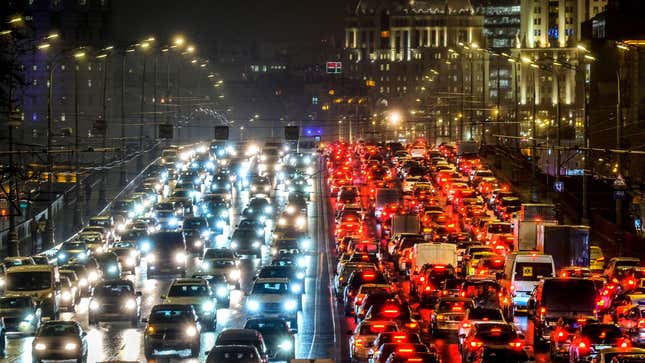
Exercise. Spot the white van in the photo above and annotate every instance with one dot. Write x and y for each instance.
(522, 273)
(433, 253)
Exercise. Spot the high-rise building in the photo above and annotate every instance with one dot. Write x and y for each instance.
(405, 49)
(552, 68)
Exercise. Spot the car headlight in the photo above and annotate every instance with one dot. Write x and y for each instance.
(82, 282)
(234, 245)
(260, 231)
(93, 276)
(121, 226)
(268, 209)
(94, 305)
(267, 188)
(305, 243)
(285, 345)
(234, 274)
(112, 269)
(300, 221)
(208, 306)
(302, 262)
(40, 346)
(29, 318)
(173, 222)
(62, 256)
(296, 288)
(130, 261)
(253, 305)
(290, 305)
(130, 304)
(198, 243)
(151, 258)
(206, 265)
(256, 244)
(222, 291)
(180, 257)
(282, 222)
(66, 296)
(82, 255)
(300, 275)
(191, 331)
(309, 170)
(224, 214)
(1, 281)
(145, 246)
(253, 188)
(70, 346)
(220, 224)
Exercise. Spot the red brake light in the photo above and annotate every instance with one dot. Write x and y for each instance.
(515, 344)
(496, 330)
(369, 275)
(582, 345)
(475, 344)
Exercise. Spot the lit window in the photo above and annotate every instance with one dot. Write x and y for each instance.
(89, 83)
(35, 82)
(34, 117)
(62, 67)
(62, 117)
(34, 67)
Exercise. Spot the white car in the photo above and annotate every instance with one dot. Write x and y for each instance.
(273, 297)
(478, 315)
(360, 343)
(195, 292)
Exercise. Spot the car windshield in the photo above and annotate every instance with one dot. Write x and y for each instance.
(194, 223)
(112, 289)
(188, 291)
(270, 288)
(227, 354)
(169, 315)
(14, 302)
(244, 234)
(58, 330)
(267, 326)
(122, 205)
(27, 281)
(67, 246)
(496, 334)
(100, 222)
(601, 333)
(485, 314)
(168, 241)
(532, 271)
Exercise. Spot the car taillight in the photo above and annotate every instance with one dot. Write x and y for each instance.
(560, 335)
(582, 346)
(641, 323)
(515, 344)
(625, 344)
(466, 325)
(411, 325)
(475, 344)
(358, 342)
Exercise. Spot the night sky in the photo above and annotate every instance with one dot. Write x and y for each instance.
(225, 21)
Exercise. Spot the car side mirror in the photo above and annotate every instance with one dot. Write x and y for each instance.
(138, 294)
(144, 320)
(84, 334)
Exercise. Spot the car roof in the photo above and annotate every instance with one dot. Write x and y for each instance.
(272, 279)
(239, 331)
(189, 281)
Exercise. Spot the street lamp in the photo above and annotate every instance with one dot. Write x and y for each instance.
(78, 56)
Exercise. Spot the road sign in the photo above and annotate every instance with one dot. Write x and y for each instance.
(291, 133)
(221, 132)
(334, 67)
(558, 186)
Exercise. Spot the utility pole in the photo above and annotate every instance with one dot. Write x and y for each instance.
(105, 131)
(483, 128)
(49, 224)
(619, 156)
(585, 163)
(154, 94)
(472, 95)
(123, 176)
(499, 95)
(142, 108)
(534, 140)
(517, 105)
(463, 94)
(558, 115)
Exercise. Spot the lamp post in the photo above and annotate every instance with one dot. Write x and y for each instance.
(78, 56)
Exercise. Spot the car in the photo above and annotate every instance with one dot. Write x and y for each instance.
(501, 354)
(590, 339)
(477, 315)
(21, 315)
(273, 297)
(448, 314)
(67, 294)
(296, 278)
(128, 258)
(115, 300)
(168, 254)
(195, 292)
(277, 335)
(364, 334)
(246, 242)
(234, 354)
(70, 250)
(626, 355)
(109, 265)
(243, 337)
(57, 339)
(220, 286)
(396, 337)
(407, 350)
(17, 261)
(486, 334)
(561, 335)
(171, 327)
(222, 260)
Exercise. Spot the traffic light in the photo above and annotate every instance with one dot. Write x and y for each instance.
(221, 132)
(291, 133)
(166, 131)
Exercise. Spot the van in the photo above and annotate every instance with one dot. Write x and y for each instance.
(41, 282)
(522, 273)
(432, 253)
(552, 300)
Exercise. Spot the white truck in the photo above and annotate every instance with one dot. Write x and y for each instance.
(432, 253)
(526, 222)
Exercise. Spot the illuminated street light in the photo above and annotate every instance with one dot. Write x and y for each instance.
(79, 55)
(395, 117)
(43, 46)
(623, 47)
(179, 40)
(190, 49)
(52, 36)
(582, 48)
(5, 32)
(16, 19)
